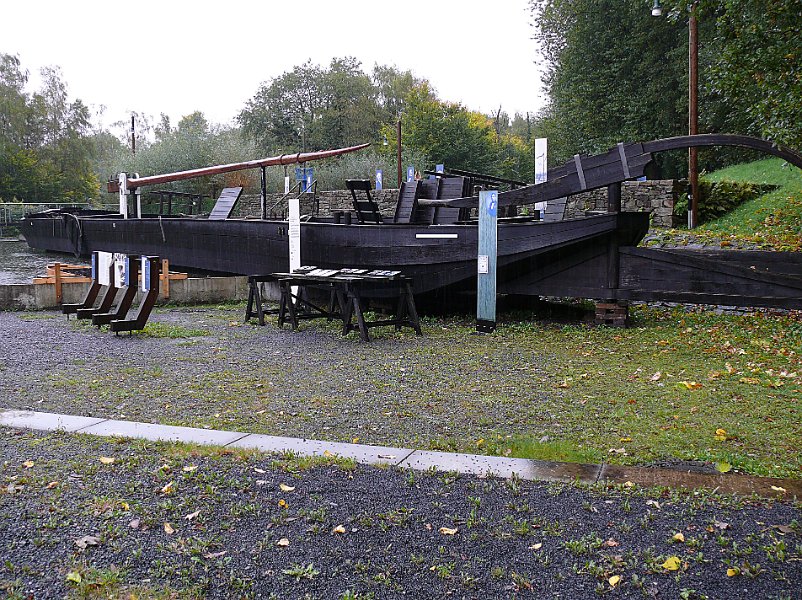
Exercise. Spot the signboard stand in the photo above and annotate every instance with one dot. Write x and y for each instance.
(486, 262)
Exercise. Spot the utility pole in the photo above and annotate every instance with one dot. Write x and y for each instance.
(693, 114)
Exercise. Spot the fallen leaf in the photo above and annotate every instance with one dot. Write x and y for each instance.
(168, 529)
(167, 489)
(283, 542)
(189, 468)
(327, 454)
(338, 529)
(134, 523)
(74, 576)
(721, 525)
(656, 377)
(625, 440)
(654, 503)
(28, 464)
(733, 572)
(691, 385)
(613, 581)
(87, 540)
(723, 467)
(672, 563)
(777, 488)
(213, 555)
(783, 529)
(286, 488)
(537, 546)
(191, 516)
(283, 503)
(106, 460)
(678, 537)
(51, 485)
(721, 435)
(611, 543)
(260, 471)
(448, 531)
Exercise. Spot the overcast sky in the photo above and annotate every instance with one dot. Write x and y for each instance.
(176, 56)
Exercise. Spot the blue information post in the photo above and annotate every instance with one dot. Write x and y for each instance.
(410, 174)
(486, 262)
(379, 179)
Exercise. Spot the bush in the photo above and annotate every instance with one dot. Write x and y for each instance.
(720, 197)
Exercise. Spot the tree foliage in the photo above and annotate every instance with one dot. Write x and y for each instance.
(615, 73)
(45, 153)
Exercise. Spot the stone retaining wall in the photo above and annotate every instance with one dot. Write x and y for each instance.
(656, 197)
(328, 202)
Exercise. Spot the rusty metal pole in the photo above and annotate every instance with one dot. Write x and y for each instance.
(693, 114)
(398, 135)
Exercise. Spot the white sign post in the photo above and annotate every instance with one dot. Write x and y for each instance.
(541, 168)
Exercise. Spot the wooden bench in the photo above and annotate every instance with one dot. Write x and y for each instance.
(347, 289)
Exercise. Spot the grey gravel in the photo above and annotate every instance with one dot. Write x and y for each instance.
(64, 514)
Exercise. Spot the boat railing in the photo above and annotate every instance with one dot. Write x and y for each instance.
(14, 211)
(300, 188)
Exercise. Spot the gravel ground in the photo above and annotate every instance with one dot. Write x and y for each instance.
(92, 517)
(310, 383)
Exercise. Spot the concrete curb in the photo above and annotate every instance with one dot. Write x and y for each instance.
(473, 464)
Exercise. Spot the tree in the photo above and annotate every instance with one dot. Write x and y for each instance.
(45, 153)
(613, 72)
(313, 108)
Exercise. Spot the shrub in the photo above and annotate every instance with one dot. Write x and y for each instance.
(720, 197)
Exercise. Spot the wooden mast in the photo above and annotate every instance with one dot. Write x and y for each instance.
(284, 159)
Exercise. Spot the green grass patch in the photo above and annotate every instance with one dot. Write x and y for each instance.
(170, 330)
(773, 219)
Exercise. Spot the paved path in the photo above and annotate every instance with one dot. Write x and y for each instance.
(405, 457)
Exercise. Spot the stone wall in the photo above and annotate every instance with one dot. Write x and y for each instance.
(656, 197)
(328, 202)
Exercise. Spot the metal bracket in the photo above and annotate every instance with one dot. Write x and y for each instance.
(580, 172)
(624, 162)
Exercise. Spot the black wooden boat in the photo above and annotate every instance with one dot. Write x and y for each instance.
(439, 254)
(435, 256)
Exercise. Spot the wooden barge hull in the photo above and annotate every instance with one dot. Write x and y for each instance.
(435, 256)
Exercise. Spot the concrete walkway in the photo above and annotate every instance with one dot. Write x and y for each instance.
(407, 458)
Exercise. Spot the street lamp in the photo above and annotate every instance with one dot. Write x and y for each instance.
(693, 108)
(657, 10)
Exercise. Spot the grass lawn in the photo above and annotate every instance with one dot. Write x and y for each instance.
(680, 385)
(772, 221)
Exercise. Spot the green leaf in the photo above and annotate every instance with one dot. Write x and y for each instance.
(74, 576)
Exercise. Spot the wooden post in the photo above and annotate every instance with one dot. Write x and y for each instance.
(693, 114)
(164, 276)
(614, 197)
(486, 262)
(57, 273)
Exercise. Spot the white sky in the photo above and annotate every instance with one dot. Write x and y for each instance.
(178, 56)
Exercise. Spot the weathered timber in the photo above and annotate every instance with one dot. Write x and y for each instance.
(627, 161)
